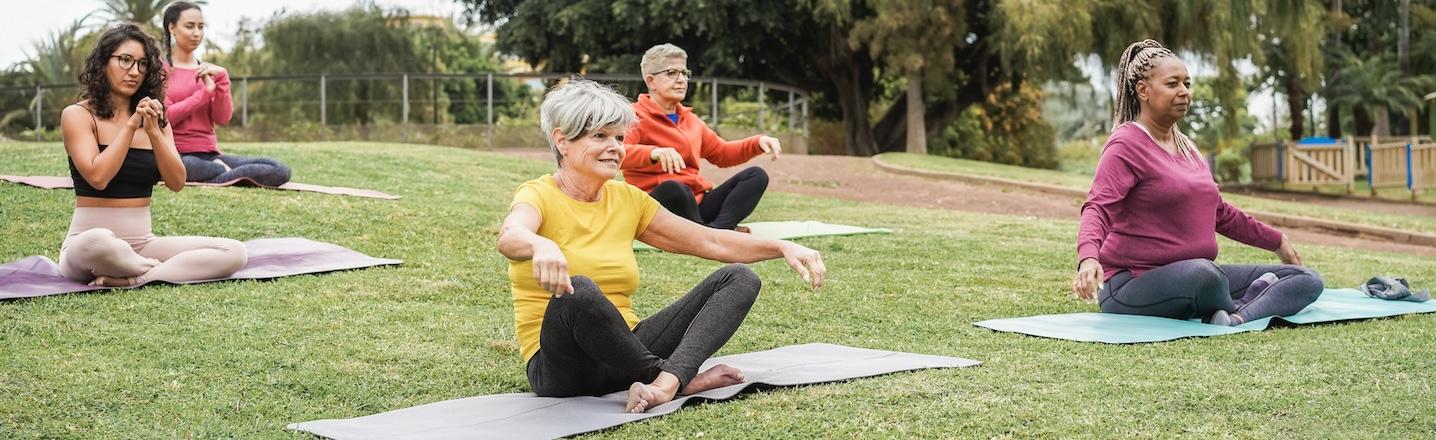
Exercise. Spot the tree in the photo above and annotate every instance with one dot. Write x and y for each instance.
(913, 37)
(146, 13)
(1377, 85)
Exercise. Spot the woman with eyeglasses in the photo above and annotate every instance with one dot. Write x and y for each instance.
(119, 145)
(663, 148)
(198, 99)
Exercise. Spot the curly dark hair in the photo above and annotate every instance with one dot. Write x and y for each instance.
(95, 86)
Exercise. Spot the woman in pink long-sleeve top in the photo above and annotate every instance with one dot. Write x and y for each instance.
(197, 99)
(1150, 221)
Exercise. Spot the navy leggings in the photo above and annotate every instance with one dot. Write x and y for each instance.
(1198, 287)
(723, 207)
(200, 167)
(586, 348)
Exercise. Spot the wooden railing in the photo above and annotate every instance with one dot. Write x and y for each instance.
(1402, 164)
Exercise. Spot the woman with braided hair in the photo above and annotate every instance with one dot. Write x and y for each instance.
(198, 99)
(1147, 226)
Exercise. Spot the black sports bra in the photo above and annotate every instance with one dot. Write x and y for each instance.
(136, 178)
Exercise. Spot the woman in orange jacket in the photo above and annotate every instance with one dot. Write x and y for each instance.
(663, 147)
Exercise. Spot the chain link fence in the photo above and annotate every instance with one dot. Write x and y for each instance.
(478, 110)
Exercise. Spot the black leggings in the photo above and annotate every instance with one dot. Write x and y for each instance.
(200, 167)
(723, 207)
(1197, 288)
(586, 348)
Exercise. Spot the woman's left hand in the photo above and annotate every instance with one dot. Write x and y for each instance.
(153, 112)
(208, 70)
(770, 145)
(806, 262)
(1287, 253)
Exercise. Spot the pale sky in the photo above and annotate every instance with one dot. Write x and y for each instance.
(30, 21)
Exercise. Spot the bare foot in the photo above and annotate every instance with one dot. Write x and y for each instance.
(719, 376)
(104, 281)
(643, 396)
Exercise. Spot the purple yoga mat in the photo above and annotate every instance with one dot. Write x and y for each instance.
(268, 258)
(58, 182)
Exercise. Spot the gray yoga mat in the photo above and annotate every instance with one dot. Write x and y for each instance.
(60, 182)
(793, 229)
(268, 258)
(523, 415)
(1111, 328)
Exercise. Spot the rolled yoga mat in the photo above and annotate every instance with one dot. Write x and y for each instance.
(268, 258)
(1333, 305)
(524, 415)
(793, 229)
(59, 182)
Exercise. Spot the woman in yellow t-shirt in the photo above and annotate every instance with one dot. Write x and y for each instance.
(579, 334)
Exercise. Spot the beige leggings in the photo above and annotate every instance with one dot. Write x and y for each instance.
(117, 243)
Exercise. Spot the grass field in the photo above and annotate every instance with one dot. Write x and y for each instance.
(242, 359)
(1414, 223)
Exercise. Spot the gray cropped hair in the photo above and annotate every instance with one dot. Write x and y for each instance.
(655, 56)
(578, 107)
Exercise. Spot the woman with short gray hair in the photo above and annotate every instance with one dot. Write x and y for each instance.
(664, 146)
(569, 240)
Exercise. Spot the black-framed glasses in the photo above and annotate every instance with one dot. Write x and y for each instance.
(673, 73)
(128, 62)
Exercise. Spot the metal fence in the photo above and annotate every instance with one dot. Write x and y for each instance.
(415, 101)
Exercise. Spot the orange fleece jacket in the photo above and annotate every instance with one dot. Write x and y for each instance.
(690, 136)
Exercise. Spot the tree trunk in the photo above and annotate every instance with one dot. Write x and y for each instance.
(852, 89)
(1380, 121)
(916, 131)
(1296, 104)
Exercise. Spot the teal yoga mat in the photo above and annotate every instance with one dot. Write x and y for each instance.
(1333, 305)
(793, 229)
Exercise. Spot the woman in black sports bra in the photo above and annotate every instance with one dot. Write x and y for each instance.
(119, 147)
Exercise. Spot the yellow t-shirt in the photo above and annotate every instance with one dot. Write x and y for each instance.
(595, 237)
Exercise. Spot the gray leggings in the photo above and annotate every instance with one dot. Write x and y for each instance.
(1198, 287)
(200, 167)
(586, 348)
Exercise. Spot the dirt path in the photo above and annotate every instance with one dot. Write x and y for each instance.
(854, 178)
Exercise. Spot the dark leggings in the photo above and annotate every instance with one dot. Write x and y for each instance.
(200, 167)
(586, 348)
(1197, 288)
(723, 207)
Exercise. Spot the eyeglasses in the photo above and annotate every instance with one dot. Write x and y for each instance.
(673, 73)
(128, 62)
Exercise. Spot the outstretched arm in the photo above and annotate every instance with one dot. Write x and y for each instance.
(675, 234)
(519, 241)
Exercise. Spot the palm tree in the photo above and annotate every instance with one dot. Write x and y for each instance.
(134, 11)
(55, 60)
(1377, 85)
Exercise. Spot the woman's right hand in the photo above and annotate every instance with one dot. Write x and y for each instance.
(669, 158)
(209, 84)
(551, 268)
(1088, 279)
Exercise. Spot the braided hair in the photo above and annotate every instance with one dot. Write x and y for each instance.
(171, 16)
(1136, 63)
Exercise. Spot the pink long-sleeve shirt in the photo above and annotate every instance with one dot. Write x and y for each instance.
(1148, 208)
(193, 111)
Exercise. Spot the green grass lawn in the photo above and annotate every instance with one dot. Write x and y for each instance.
(242, 359)
(1414, 223)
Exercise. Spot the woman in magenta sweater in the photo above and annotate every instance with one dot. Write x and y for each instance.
(1149, 221)
(198, 98)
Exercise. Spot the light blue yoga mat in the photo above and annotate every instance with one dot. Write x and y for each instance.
(793, 229)
(1111, 328)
